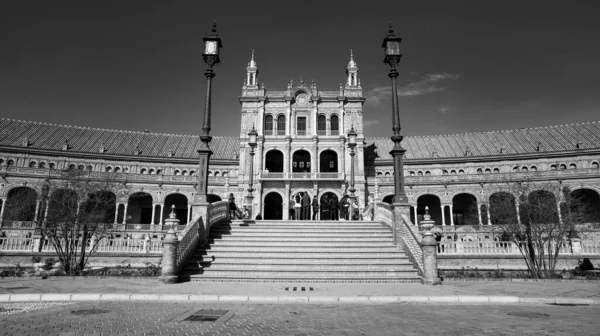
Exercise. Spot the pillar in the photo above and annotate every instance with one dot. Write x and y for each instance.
(189, 219)
(518, 212)
(342, 156)
(451, 214)
(125, 213)
(443, 215)
(153, 214)
(2, 203)
(117, 212)
(169, 260)
(560, 219)
(162, 208)
(489, 217)
(430, 267)
(479, 213)
(415, 214)
(37, 210)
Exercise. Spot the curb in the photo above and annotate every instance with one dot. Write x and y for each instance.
(475, 299)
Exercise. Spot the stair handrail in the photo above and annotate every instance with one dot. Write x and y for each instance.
(217, 212)
(384, 214)
(412, 242)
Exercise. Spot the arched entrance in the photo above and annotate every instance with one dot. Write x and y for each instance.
(585, 206)
(100, 207)
(328, 161)
(181, 207)
(301, 161)
(465, 210)
(435, 208)
(274, 161)
(212, 198)
(540, 208)
(273, 206)
(327, 210)
(20, 204)
(503, 208)
(139, 209)
(388, 199)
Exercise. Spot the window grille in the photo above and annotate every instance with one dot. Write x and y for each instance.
(301, 126)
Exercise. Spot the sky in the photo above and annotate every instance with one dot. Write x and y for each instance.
(468, 66)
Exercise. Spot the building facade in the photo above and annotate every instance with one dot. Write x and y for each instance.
(302, 147)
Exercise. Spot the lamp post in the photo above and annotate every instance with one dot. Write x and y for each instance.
(212, 45)
(391, 45)
(252, 137)
(352, 144)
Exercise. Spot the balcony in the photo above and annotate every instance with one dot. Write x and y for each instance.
(269, 176)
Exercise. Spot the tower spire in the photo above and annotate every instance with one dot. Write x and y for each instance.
(352, 71)
(252, 72)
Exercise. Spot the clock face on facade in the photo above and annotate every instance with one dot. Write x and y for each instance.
(301, 99)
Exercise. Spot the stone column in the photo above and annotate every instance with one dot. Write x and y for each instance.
(479, 213)
(342, 157)
(117, 212)
(2, 206)
(37, 210)
(169, 260)
(451, 215)
(415, 214)
(443, 215)
(288, 154)
(153, 214)
(286, 201)
(125, 213)
(189, 219)
(162, 209)
(489, 217)
(560, 219)
(518, 212)
(314, 159)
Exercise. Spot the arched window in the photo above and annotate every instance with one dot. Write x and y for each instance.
(595, 165)
(81, 167)
(281, 125)
(109, 169)
(269, 125)
(453, 172)
(496, 170)
(1, 162)
(387, 174)
(533, 168)
(32, 164)
(427, 173)
(479, 171)
(524, 169)
(125, 170)
(193, 173)
(412, 173)
(151, 171)
(144, 171)
(461, 172)
(177, 172)
(184, 173)
(563, 167)
(117, 169)
(210, 173)
(444, 172)
(515, 169)
(379, 174)
(420, 173)
(90, 167)
(42, 165)
(51, 165)
(217, 174)
(10, 163)
(159, 171)
(321, 125)
(553, 167)
(572, 166)
(335, 125)
(488, 171)
(72, 167)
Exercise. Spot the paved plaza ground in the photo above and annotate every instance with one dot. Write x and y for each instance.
(341, 311)
(138, 318)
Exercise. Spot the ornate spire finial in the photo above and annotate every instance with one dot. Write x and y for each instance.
(351, 64)
(252, 63)
(172, 214)
(426, 216)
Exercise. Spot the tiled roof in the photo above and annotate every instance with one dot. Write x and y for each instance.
(115, 142)
(513, 142)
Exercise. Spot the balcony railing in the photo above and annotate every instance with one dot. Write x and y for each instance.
(298, 176)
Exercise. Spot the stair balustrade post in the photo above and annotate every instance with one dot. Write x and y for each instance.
(169, 260)
(430, 267)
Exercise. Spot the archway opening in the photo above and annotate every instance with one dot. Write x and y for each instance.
(388, 199)
(585, 206)
(212, 198)
(464, 210)
(100, 207)
(181, 207)
(273, 206)
(274, 161)
(63, 206)
(301, 161)
(328, 162)
(328, 209)
(435, 208)
(139, 209)
(540, 208)
(503, 208)
(20, 204)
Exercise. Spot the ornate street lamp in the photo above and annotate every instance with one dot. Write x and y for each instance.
(252, 139)
(212, 45)
(391, 45)
(352, 144)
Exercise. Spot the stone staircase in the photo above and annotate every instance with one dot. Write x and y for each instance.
(295, 251)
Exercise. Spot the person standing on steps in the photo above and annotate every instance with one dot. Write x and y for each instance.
(344, 206)
(231, 206)
(292, 211)
(305, 207)
(315, 207)
(325, 207)
(298, 206)
(334, 208)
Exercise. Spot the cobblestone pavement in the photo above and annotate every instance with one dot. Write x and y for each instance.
(113, 318)
(589, 290)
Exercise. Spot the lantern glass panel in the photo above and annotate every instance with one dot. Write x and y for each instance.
(211, 47)
(393, 48)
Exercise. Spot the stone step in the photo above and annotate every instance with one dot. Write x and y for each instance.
(297, 222)
(298, 268)
(308, 275)
(288, 280)
(230, 239)
(394, 260)
(300, 255)
(306, 249)
(322, 243)
(258, 231)
(222, 234)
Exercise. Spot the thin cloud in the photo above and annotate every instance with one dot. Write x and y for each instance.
(443, 109)
(430, 83)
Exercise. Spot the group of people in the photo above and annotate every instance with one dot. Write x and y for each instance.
(331, 208)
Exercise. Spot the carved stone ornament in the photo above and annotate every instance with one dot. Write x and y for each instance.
(302, 99)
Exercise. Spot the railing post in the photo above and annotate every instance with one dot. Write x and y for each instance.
(169, 261)
(430, 267)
